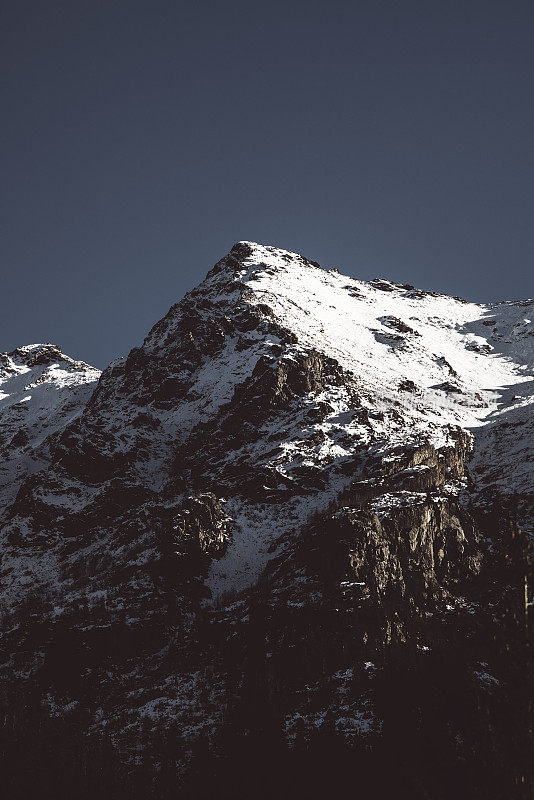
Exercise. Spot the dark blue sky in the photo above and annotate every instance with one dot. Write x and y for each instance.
(140, 140)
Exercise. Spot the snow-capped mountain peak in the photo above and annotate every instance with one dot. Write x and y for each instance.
(295, 471)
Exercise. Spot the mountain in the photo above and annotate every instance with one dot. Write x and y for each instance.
(281, 545)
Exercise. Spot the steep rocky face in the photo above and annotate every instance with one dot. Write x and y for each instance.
(301, 491)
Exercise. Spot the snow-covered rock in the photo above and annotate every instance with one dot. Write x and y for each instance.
(41, 392)
(293, 473)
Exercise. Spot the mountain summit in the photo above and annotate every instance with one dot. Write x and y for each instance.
(294, 521)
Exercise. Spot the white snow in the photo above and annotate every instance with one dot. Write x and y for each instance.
(41, 391)
(466, 373)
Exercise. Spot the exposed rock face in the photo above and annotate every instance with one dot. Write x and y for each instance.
(288, 523)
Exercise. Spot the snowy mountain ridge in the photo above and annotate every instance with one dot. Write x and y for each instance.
(329, 466)
(41, 391)
(422, 361)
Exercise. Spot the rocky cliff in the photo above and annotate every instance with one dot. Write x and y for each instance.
(281, 549)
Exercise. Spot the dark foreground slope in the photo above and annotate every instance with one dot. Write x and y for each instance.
(280, 552)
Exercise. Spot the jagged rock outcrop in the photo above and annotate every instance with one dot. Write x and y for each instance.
(294, 520)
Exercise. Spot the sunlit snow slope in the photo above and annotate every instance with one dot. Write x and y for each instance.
(420, 362)
(472, 364)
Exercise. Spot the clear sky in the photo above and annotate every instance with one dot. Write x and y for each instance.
(141, 139)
